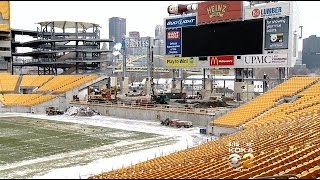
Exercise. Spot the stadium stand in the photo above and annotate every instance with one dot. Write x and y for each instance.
(265, 102)
(25, 99)
(283, 135)
(63, 83)
(288, 148)
(34, 80)
(8, 82)
(46, 84)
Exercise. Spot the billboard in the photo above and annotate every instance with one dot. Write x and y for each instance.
(137, 42)
(181, 22)
(232, 38)
(221, 60)
(269, 10)
(173, 41)
(220, 71)
(276, 33)
(262, 61)
(5, 14)
(181, 62)
(213, 11)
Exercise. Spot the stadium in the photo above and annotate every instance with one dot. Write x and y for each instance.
(64, 115)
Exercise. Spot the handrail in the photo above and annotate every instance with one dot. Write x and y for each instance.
(278, 177)
(161, 108)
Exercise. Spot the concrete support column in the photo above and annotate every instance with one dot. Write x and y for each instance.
(147, 86)
(238, 90)
(208, 89)
(176, 86)
(124, 85)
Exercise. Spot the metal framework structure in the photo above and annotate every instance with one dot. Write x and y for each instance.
(77, 50)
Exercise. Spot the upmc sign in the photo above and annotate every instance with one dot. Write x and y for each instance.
(267, 11)
(181, 22)
(221, 60)
(213, 11)
(262, 60)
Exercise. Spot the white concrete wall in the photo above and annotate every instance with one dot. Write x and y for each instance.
(218, 131)
(83, 94)
(151, 115)
(17, 109)
(58, 102)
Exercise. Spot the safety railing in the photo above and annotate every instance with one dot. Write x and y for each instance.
(190, 110)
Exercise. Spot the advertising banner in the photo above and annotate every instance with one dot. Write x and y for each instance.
(262, 61)
(268, 10)
(181, 22)
(220, 71)
(203, 62)
(222, 60)
(276, 33)
(213, 11)
(136, 42)
(173, 41)
(181, 62)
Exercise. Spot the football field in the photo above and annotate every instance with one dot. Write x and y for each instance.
(32, 147)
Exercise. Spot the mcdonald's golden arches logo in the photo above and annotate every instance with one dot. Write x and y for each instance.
(221, 60)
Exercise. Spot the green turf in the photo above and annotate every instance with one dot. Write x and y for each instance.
(25, 138)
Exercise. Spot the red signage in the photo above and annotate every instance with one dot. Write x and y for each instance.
(173, 35)
(212, 11)
(255, 13)
(221, 60)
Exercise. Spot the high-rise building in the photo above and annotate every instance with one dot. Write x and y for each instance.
(159, 40)
(159, 32)
(134, 51)
(311, 52)
(134, 34)
(117, 30)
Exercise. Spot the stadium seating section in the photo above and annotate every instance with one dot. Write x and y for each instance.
(265, 102)
(25, 99)
(64, 83)
(48, 87)
(8, 82)
(281, 126)
(34, 80)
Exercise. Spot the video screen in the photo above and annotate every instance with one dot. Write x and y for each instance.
(230, 38)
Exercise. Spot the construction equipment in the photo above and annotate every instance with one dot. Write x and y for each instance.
(145, 103)
(160, 99)
(105, 95)
(53, 111)
(176, 123)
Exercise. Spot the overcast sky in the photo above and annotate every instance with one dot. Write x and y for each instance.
(141, 16)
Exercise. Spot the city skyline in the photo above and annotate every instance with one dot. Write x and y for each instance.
(140, 16)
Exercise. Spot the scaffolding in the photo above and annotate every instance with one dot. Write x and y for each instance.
(73, 47)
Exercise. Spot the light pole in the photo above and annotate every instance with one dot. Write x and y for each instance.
(124, 64)
(150, 64)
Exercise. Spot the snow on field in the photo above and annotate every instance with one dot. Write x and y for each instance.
(186, 138)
